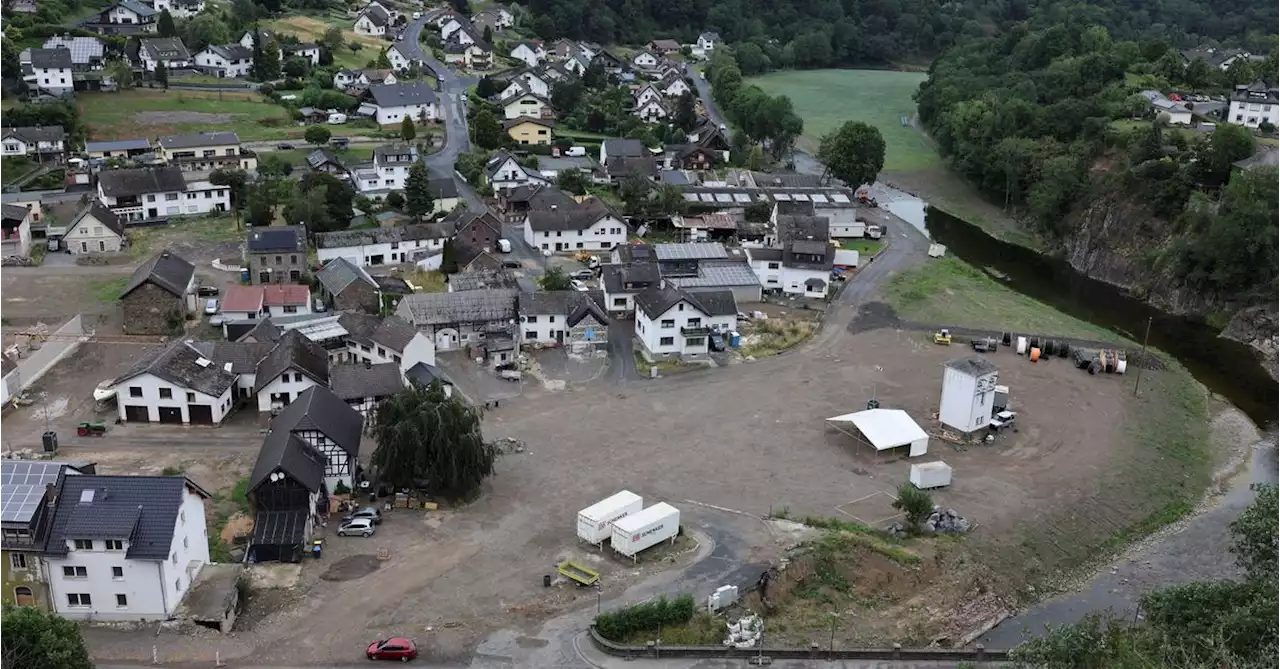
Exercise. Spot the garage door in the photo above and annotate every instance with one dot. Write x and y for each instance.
(135, 414)
(201, 414)
(171, 415)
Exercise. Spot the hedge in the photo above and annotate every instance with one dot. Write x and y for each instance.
(619, 625)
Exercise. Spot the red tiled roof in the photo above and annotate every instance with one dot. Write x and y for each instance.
(286, 294)
(243, 298)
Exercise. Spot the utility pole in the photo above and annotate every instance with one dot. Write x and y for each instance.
(1138, 376)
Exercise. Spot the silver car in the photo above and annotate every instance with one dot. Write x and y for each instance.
(362, 527)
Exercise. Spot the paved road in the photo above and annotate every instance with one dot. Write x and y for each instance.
(704, 92)
(622, 359)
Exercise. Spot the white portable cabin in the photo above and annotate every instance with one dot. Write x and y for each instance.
(884, 429)
(595, 523)
(650, 527)
(928, 475)
(968, 393)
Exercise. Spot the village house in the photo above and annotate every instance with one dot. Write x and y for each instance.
(330, 426)
(622, 281)
(15, 237)
(294, 364)
(652, 111)
(225, 60)
(44, 143)
(286, 491)
(801, 259)
(322, 160)
(389, 170)
(530, 53)
(614, 153)
(707, 266)
(159, 295)
(716, 226)
(53, 71)
(590, 225)
(689, 157)
(127, 17)
(528, 105)
(674, 323)
(451, 25)
(266, 301)
(477, 55)
(518, 202)
(179, 9)
(88, 53)
(525, 130)
(276, 254)
(389, 104)
(1220, 59)
(306, 50)
(397, 55)
(31, 486)
(842, 216)
(168, 50)
(646, 60)
(375, 340)
(664, 46)
(504, 172)
(175, 384)
(673, 85)
(205, 151)
(122, 148)
(375, 247)
(1255, 104)
(125, 548)
(148, 193)
(476, 232)
(550, 167)
(346, 286)
(537, 81)
(460, 319)
(706, 44)
(568, 318)
(362, 386)
(94, 230)
(373, 21)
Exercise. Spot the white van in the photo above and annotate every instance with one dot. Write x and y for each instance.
(504, 245)
(576, 151)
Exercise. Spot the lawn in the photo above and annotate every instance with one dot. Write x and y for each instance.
(12, 167)
(864, 247)
(312, 28)
(108, 290)
(349, 156)
(946, 291)
(827, 98)
(149, 113)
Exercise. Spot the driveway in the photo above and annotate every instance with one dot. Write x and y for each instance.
(622, 359)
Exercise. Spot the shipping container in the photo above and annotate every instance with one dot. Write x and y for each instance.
(595, 522)
(650, 527)
(928, 475)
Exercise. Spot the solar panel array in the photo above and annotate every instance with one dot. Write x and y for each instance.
(22, 485)
(84, 50)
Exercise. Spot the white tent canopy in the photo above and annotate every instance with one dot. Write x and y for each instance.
(884, 429)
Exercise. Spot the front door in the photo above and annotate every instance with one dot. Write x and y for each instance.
(22, 596)
(559, 336)
(152, 212)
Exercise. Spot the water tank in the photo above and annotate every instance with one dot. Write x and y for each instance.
(50, 440)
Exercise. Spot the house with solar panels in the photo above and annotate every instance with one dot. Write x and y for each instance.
(28, 492)
(125, 548)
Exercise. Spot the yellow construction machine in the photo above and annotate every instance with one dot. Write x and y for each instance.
(943, 337)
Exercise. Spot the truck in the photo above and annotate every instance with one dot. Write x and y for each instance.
(646, 529)
(504, 246)
(595, 523)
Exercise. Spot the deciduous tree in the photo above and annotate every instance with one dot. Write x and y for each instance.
(486, 131)
(427, 438)
(915, 503)
(162, 74)
(555, 279)
(34, 639)
(317, 135)
(853, 153)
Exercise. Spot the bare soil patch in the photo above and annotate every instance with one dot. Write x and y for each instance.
(351, 568)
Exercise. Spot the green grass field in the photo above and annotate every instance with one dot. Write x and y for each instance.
(149, 113)
(827, 98)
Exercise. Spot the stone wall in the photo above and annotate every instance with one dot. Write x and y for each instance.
(151, 309)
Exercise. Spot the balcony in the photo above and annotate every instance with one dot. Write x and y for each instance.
(704, 331)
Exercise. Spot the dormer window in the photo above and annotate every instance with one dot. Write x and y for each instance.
(115, 545)
(83, 544)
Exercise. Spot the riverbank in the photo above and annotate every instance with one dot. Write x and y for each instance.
(947, 191)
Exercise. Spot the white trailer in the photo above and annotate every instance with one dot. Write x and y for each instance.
(595, 523)
(928, 475)
(650, 527)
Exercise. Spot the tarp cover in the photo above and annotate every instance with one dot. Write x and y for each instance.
(885, 428)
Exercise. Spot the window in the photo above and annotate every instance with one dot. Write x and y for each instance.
(117, 573)
(530, 334)
(182, 516)
(695, 342)
(290, 309)
(619, 301)
(293, 259)
(184, 543)
(295, 276)
(668, 324)
(191, 397)
(80, 599)
(151, 198)
(122, 601)
(695, 322)
(135, 391)
(166, 393)
(18, 560)
(551, 319)
(170, 196)
(114, 545)
(84, 544)
(75, 572)
(531, 319)
(278, 260)
(102, 246)
(177, 583)
(680, 307)
(666, 341)
(773, 265)
(174, 556)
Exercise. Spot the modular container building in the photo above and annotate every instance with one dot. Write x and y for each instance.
(650, 527)
(928, 475)
(595, 523)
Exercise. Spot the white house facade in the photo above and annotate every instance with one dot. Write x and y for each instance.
(585, 227)
(675, 323)
(1255, 104)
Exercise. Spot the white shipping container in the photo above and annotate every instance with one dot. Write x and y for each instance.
(596, 521)
(647, 528)
(928, 475)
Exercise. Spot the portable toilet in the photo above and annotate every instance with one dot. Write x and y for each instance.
(244, 275)
(734, 339)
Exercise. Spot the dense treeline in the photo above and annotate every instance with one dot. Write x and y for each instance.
(821, 33)
(1043, 120)
(757, 117)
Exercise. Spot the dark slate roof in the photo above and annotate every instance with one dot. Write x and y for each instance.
(233, 51)
(481, 279)
(809, 247)
(800, 227)
(165, 269)
(198, 139)
(137, 8)
(399, 95)
(51, 59)
(465, 307)
(793, 208)
(105, 216)
(547, 302)
(616, 277)
(319, 157)
(242, 356)
(656, 300)
(368, 236)
(578, 217)
(33, 134)
(141, 509)
(165, 48)
(13, 212)
(786, 180)
(765, 254)
(279, 527)
(317, 408)
(286, 452)
(510, 123)
(142, 180)
(422, 374)
(353, 382)
(293, 351)
(277, 238)
(339, 273)
(377, 15)
(589, 303)
(265, 331)
(974, 365)
(179, 363)
(391, 332)
(118, 145)
(624, 148)
(643, 166)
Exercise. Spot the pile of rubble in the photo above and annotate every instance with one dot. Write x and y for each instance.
(507, 445)
(745, 633)
(942, 522)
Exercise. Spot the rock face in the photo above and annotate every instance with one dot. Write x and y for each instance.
(1258, 327)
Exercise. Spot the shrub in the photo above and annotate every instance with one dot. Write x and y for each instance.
(341, 488)
(620, 624)
(914, 502)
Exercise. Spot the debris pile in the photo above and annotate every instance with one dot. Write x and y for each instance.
(745, 633)
(507, 445)
(942, 522)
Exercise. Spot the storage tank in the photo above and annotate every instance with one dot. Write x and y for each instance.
(650, 527)
(595, 522)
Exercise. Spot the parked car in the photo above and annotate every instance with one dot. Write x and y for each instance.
(717, 341)
(211, 307)
(363, 527)
(583, 275)
(284, 146)
(206, 291)
(217, 320)
(576, 151)
(511, 264)
(370, 512)
(579, 286)
(395, 648)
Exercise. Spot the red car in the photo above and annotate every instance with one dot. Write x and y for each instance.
(395, 648)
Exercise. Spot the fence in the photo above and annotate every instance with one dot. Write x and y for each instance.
(814, 652)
